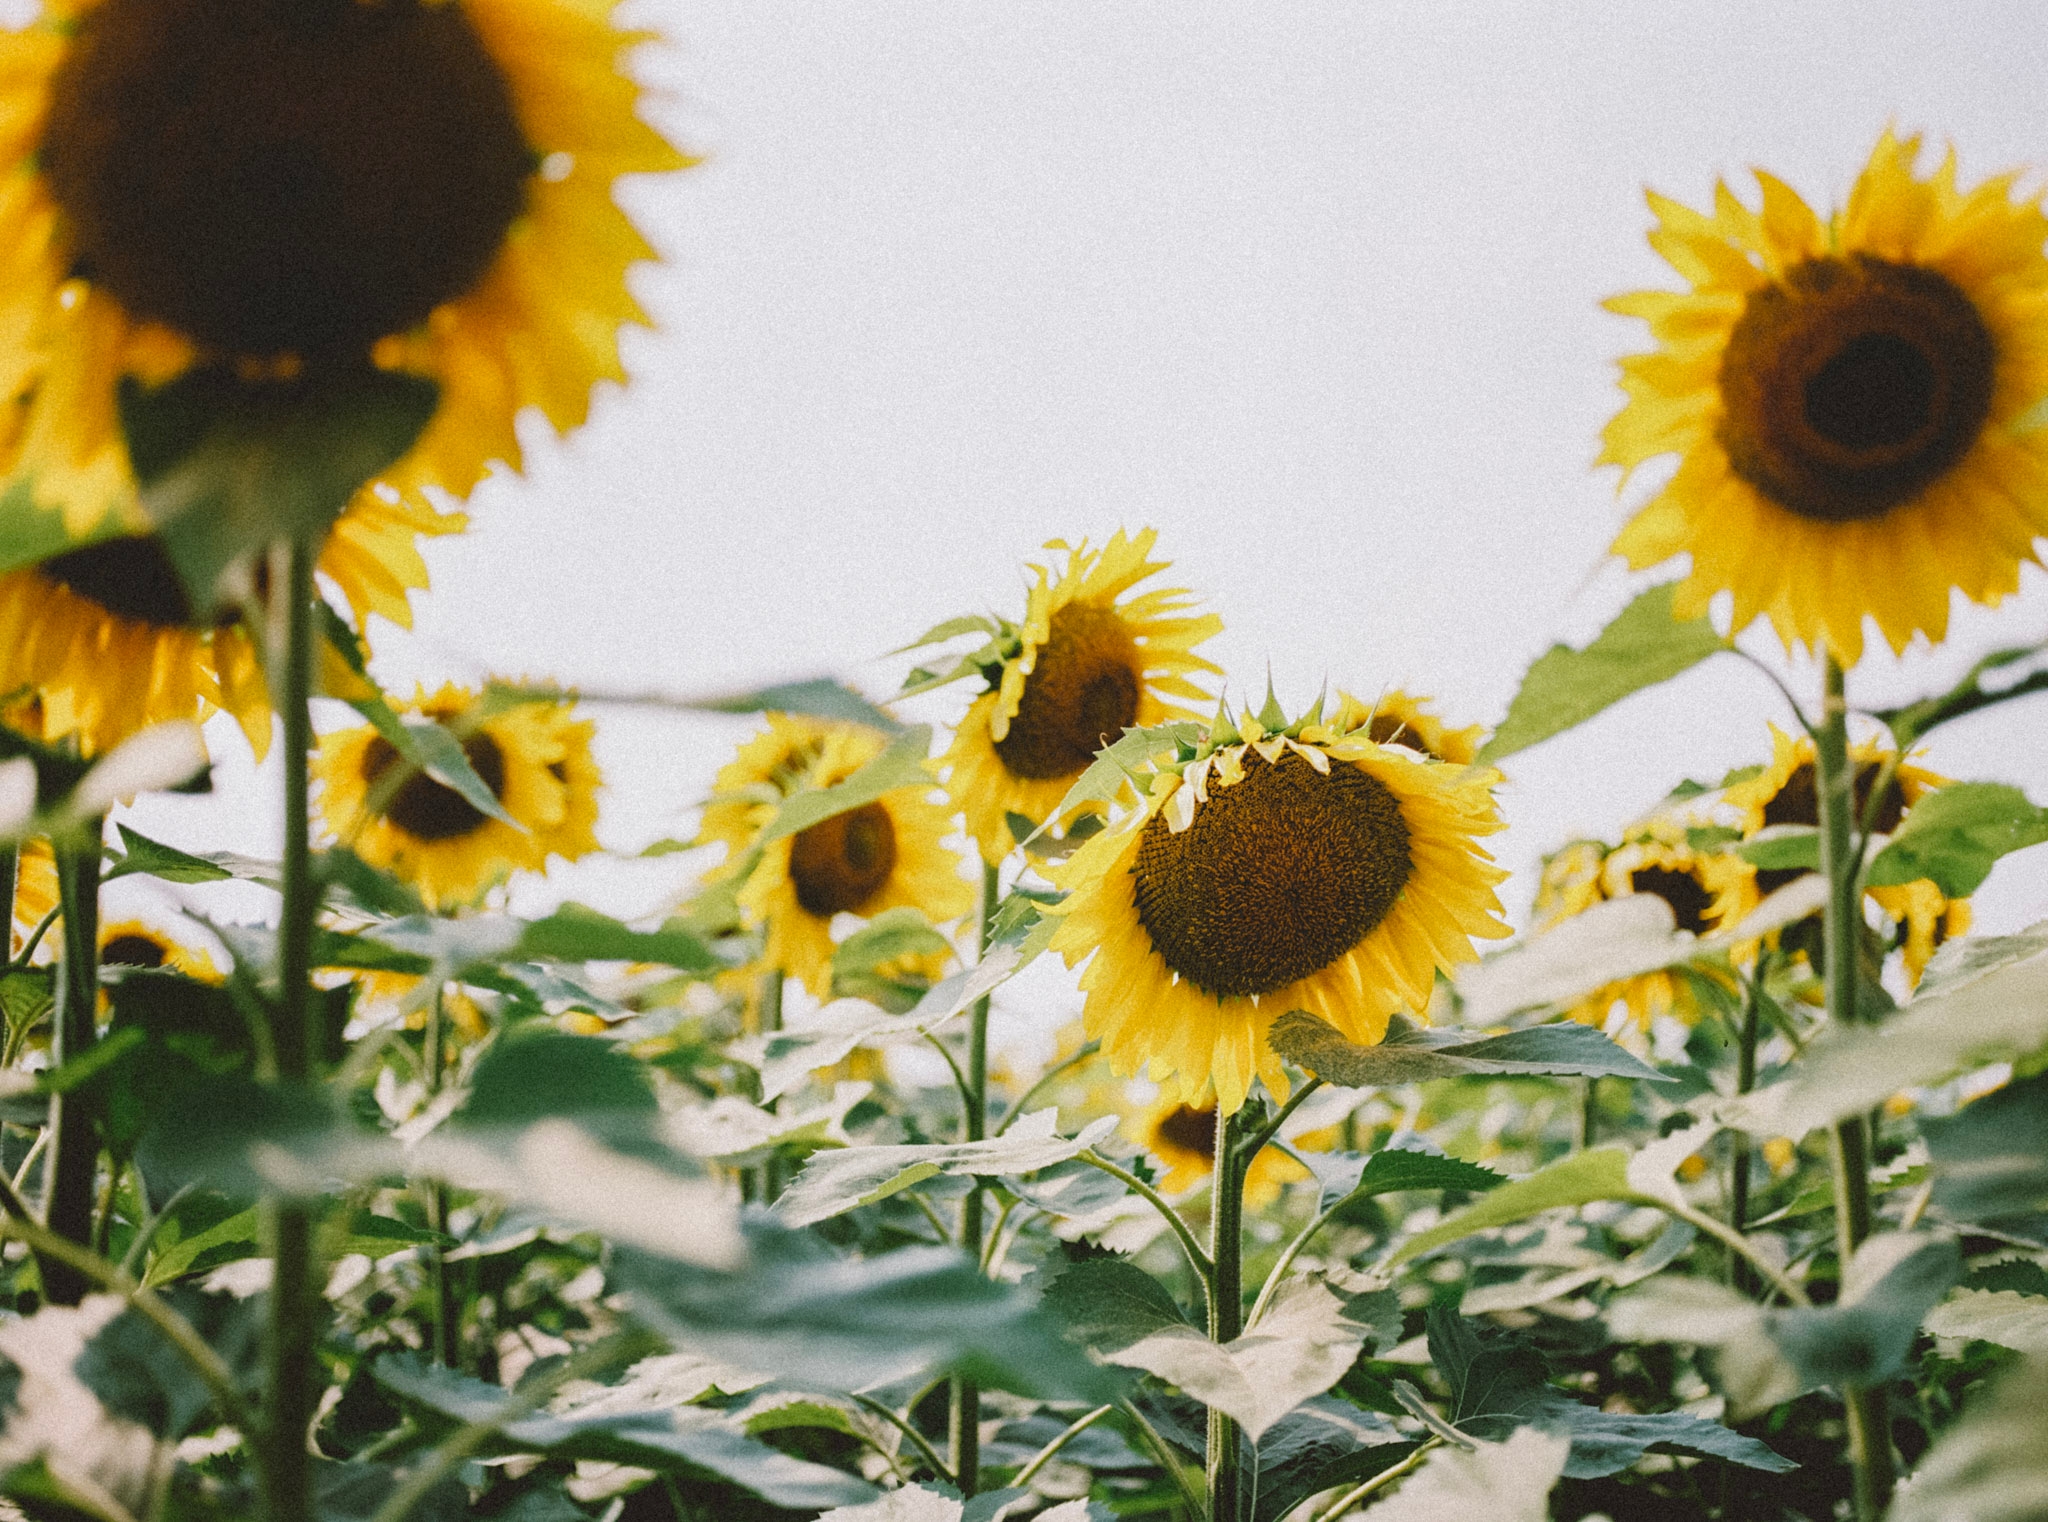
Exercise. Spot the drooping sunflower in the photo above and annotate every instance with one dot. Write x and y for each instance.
(1849, 402)
(1707, 892)
(1784, 793)
(1086, 663)
(882, 855)
(1400, 718)
(424, 184)
(534, 757)
(1273, 868)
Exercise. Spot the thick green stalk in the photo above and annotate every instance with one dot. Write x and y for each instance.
(1870, 1454)
(447, 1317)
(1226, 1304)
(769, 1020)
(963, 1422)
(74, 1147)
(1739, 1272)
(10, 873)
(296, 1306)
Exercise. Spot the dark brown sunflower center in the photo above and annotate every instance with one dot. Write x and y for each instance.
(840, 863)
(1277, 877)
(1386, 729)
(129, 577)
(277, 176)
(1852, 384)
(1681, 890)
(1797, 802)
(132, 951)
(1081, 694)
(430, 810)
(1190, 1130)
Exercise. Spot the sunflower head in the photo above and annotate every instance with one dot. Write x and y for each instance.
(1848, 400)
(1183, 1137)
(880, 855)
(768, 768)
(137, 943)
(1399, 718)
(1570, 881)
(1784, 793)
(1090, 659)
(1270, 868)
(533, 757)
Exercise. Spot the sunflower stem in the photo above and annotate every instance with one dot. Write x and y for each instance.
(770, 1021)
(10, 873)
(1739, 1272)
(1870, 1455)
(74, 1148)
(964, 1416)
(1226, 1300)
(433, 1064)
(295, 1293)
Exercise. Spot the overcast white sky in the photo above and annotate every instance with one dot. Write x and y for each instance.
(1312, 288)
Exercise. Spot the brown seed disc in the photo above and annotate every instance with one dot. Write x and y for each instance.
(1081, 694)
(1798, 802)
(1853, 384)
(131, 951)
(1689, 901)
(1190, 1130)
(430, 810)
(1278, 876)
(840, 863)
(283, 176)
(129, 577)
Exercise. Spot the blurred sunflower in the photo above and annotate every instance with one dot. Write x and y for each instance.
(535, 759)
(1849, 400)
(269, 188)
(137, 943)
(1784, 793)
(1570, 881)
(1269, 869)
(1183, 1137)
(881, 855)
(1087, 663)
(35, 892)
(1397, 718)
(1706, 891)
(749, 788)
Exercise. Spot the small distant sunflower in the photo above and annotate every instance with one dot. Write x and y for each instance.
(1183, 1137)
(1397, 718)
(534, 757)
(1849, 400)
(1087, 663)
(1269, 869)
(749, 788)
(1784, 793)
(1570, 881)
(265, 188)
(1707, 892)
(881, 855)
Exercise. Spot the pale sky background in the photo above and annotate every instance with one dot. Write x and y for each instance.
(1312, 288)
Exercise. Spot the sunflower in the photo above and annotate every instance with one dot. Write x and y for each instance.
(1086, 664)
(534, 757)
(137, 943)
(1783, 793)
(35, 893)
(1706, 891)
(1269, 869)
(881, 855)
(1570, 881)
(1183, 1137)
(264, 188)
(1397, 718)
(749, 788)
(1849, 400)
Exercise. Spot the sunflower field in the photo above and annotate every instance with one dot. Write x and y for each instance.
(363, 1178)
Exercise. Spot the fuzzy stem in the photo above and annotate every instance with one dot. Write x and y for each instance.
(74, 1148)
(1870, 1455)
(1739, 1272)
(295, 1293)
(1226, 1304)
(964, 1416)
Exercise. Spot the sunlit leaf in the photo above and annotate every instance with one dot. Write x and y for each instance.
(1956, 834)
(1415, 1054)
(1644, 645)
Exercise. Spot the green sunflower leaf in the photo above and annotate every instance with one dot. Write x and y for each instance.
(1413, 1054)
(226, 468)
(818, 698)
(686, 1440)
(169, 864)
(1956, 834)
(1599, 1173)
(1644, 645)
(1992, 1465)
(901, 765)
(1912, 721)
